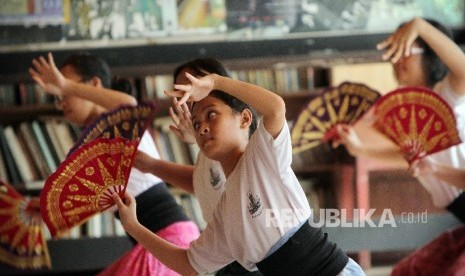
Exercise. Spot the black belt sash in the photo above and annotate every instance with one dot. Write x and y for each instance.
(307, 252)
(457, 207)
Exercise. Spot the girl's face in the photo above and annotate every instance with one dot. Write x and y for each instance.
(219, 130)
(75, 109)
(409, 70)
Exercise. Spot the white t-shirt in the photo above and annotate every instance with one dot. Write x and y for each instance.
(262, 201)
(208, 182)
(441, 192)
(138, 181)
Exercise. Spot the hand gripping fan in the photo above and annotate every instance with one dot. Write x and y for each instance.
(22, 240)
(344, 104)
(418, 120)
(127, 121)
(82, 185)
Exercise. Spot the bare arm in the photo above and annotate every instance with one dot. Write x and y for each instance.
(175, 174)
(448, 174)
(448, 51)
(47, 75)
(368, 142)
(169, 254)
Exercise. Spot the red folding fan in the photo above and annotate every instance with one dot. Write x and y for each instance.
(82, 185)
(344, 104)
(127, 121)
(418, 120)
(22, 240)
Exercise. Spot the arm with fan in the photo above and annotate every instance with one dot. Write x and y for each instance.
(318, 121)
(82, 185)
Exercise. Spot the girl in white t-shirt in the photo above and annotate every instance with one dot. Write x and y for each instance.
(83, 84)
(261, 219)
(423, 54)
(206, 178)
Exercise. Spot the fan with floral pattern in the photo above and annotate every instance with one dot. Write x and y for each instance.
(83, 184)
(418, 120)
(22, 239)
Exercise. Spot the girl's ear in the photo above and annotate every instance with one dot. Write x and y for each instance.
(246, 118)
(96, 81)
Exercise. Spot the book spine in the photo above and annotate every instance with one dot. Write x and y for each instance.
(19, 157)
(43, 145)
(13, 174)
(31, 143)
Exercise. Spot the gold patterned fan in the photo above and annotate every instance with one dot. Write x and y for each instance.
(418, 120)
(127, 121)
(22, 241)
(343, 104)
(83, 184)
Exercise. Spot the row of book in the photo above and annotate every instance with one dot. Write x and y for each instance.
(170, 146)
(283, 79)
(31, 151)
(23, 94)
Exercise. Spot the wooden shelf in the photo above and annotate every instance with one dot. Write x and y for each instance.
(17, 114)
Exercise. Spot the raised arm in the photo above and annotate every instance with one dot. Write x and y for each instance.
(49, 78)
(270, 105)
(400, 43)
(375, 146)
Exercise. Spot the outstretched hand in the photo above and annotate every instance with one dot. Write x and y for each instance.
(195, 91)
(47, 75)
(181, 117)
(127, 210)
(399, 43)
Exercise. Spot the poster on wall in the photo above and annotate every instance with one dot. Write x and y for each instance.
(272, 16)
(34, 21)
(317, 17)
(33, 12)
(199, 16)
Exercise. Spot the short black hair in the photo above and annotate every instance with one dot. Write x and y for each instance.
(204, 66)
(435, 70)
(88, 66)
(237, 107)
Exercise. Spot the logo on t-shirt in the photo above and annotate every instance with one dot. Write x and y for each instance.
(255, 204)
(215, 178)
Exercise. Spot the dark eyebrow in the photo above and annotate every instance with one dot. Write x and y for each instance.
(210, 105)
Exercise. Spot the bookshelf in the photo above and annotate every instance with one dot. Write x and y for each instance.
(329, 56)
(256, 70)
